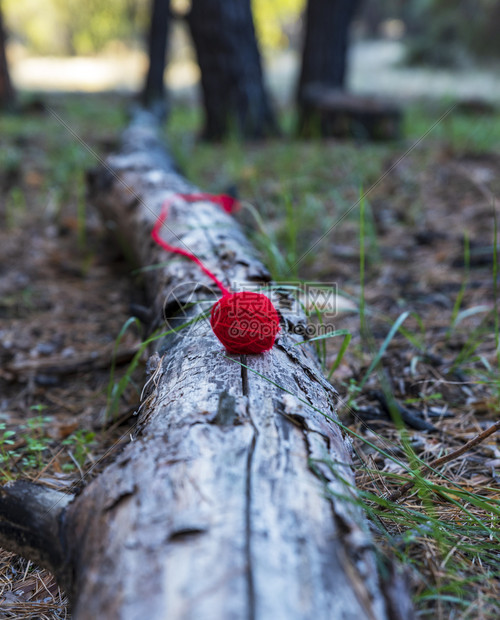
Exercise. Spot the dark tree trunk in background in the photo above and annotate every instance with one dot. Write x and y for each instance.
(231, 73)
(6, 90)
(371, 16)
(324, 107)
(153, 95)
(325, 44)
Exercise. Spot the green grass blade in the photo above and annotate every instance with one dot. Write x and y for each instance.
(470, 312)
(115, 391)
(362, 261)
(399, 321)
(463, 287)
(343, 348)
(495, 286)
(340, 354)
(337, 332)
(130, 321)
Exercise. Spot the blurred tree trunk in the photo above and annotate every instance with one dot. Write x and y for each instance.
(153, 94)
(325, 44)
(231, 73)
(6, 90)
(371, 17)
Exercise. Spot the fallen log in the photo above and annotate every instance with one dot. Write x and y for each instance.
(235, 497)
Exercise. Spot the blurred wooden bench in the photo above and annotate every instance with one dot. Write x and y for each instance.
(326, 112)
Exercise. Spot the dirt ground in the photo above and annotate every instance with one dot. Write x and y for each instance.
(447, 390)
(64, 302)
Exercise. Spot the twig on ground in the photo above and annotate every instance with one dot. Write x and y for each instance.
(446, 458)
(67, 366)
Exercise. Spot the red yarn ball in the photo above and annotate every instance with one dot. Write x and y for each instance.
(245, 322)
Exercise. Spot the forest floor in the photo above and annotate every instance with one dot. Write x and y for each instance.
(414, 269)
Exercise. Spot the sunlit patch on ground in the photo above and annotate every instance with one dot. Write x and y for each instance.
(374, 67)
(123, 72)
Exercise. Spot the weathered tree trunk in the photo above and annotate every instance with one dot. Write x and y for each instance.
(235, 498)
(234, 96)
(324, 54)
(6, 90)
(153, 94)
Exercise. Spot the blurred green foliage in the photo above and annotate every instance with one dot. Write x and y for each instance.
(442, 32)
(275, 21)
(67, 27)
(453, 32)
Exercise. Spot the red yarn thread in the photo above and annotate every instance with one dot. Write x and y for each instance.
(226, 202)
(244, 322)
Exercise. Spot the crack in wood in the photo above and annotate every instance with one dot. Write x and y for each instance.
(182, 534)
(244, 375)
(227, 413)
(248, 530)
(121, 499)
(248, 493)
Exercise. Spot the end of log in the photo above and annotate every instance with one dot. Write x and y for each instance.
(140, 142)
(30, 522)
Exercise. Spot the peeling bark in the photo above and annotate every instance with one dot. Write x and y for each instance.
(223, 506)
